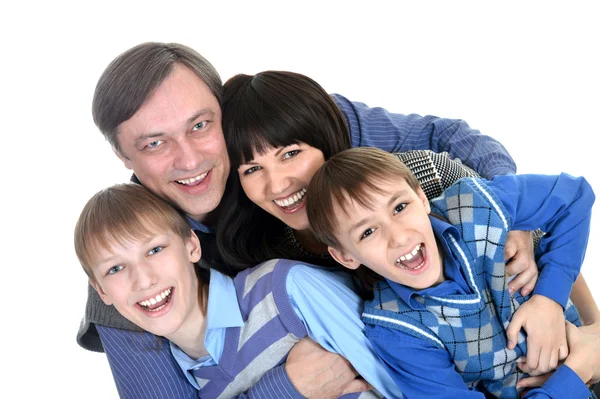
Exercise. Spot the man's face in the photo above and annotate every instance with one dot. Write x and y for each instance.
(174, 144)
(393, 237)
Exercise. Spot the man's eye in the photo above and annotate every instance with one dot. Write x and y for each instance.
(154, 144)
(200, 125)
(155, 250)
(251, 170)
(291, 154)
(367, 233)
(115, 269)
(398, 208)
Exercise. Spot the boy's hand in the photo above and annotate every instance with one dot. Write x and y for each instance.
(584, 358)
(544, 322)
(518, 254)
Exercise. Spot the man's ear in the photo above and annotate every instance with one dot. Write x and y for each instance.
(423, 198)
(101, 292)
(193, 246)
(343, 258)
(126, 161)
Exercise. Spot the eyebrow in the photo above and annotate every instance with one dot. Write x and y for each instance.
(392, 199)
(276, 154)
(146, 136)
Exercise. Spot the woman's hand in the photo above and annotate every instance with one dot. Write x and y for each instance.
(518, 254)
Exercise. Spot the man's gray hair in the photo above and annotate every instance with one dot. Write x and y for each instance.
(132, 77)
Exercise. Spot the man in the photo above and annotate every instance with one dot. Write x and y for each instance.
(158, 106)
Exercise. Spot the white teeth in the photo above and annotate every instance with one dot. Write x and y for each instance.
(410, 255)
(193, 179)
(291, 199)
(156, 299)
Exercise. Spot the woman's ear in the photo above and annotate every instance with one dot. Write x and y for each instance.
(343, 258)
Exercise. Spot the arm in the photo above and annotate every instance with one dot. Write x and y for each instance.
(431, 375)
(376, 127)
(581, 367)
(330, 311)
(561, 206)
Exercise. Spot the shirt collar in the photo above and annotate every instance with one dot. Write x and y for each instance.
(196, 225)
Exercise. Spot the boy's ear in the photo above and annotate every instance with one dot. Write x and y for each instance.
(101, 292)
(343, 258)
(126, 161)
(193, 245)
(423, 198)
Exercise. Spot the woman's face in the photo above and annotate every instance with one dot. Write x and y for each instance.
(277, 181)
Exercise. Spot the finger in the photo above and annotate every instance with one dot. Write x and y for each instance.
(563, 352)
(512, 331)
(554, 358)
(357, 385)
(510, 249)
(533, 356)
(528, 287)
(533, 382)
(522, 279)
(543, 362)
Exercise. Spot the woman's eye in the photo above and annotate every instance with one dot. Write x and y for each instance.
(155, 250)
(398, 208)
(200, 125)
(114, 269)
(367, 233)
(251, 170)
(291, 154)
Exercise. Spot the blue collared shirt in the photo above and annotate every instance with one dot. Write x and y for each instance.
(325, 303)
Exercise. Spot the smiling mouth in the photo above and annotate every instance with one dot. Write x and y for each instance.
(293, 201)
(193, 181)
(157, 302)
(414, 260)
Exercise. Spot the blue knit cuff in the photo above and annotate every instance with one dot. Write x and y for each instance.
(564, 383)
(275, 384)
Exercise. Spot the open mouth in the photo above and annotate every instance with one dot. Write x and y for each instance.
(193, 181)
(157, 302)
(414, 260)
(293, 201)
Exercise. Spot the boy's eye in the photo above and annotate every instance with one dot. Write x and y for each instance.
(367, 233)
(251, 170)
(114, 269)
(155, 250)
(398, 208)
(200, 125)
(291, 154)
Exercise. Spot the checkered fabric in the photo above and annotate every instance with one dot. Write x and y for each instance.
(470, 327)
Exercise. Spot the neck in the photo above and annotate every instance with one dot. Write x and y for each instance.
(308, 241)
(190, 336)
(210, 219)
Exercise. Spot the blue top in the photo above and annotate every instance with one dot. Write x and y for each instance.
(141, 374)
(548, 200)
(323, 300)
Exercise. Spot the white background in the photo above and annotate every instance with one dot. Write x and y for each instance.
(525, 73)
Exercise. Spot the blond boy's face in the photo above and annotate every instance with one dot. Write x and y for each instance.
(394, 238)
(151, 281)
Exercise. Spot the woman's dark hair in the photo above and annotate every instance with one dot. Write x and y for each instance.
(268, 110)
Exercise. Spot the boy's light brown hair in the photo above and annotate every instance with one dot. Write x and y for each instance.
(120, 213)
(351, 175)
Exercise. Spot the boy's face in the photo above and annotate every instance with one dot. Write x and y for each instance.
(394, 239)
(151, 281)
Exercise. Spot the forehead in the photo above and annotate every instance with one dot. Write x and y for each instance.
(173, 105)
